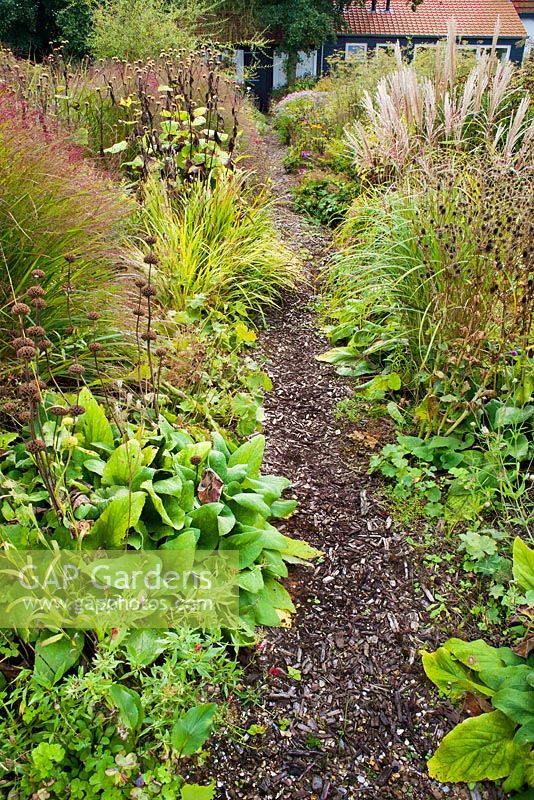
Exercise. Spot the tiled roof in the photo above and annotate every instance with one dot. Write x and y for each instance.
(473, 17)
(524, 6)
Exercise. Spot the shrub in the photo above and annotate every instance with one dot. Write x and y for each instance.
(136, 116)
(432, 296)
(444, 272)
(53, 204)
(217, 245)
(141, 29)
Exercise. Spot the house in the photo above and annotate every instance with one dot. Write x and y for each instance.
(525, 9)
(382, 23)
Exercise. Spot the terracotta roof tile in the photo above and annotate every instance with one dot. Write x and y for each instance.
(474, 18)
(524, 6)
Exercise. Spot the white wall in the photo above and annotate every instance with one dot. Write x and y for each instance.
(307, 65)
(528, 22)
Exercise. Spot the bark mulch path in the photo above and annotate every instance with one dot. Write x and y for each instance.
(358, 724)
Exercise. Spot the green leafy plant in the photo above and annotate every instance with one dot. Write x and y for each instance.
(154, 488)
(127, 722)
(324, 198)
(496, 744)
(144, 29)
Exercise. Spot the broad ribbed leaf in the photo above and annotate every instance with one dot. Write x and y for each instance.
(478, 749)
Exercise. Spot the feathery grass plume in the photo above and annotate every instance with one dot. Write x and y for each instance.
(411, 120)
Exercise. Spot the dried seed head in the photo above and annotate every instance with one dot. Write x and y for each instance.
(76, 410)
(93, 316)
(10, 407)
(36, 330)
(69, 330)
(69, 258)
(140, 282)
(195, 460)
(151, 258)
(26, 353)
(35, 291)
(161, 352)
(38, 274)
(44, 344)
(37, 384)
(149, 336)
(28, 391)
(58, 411)
(35, 446)
(20, 310)
(76, 369)
(149, 291)
(150, 240)
(20, 341)
(94, 347)
(138, 312)
(39, 302)
(24, 417)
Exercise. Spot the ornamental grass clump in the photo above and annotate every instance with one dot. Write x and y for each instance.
(216, 244)
(436, 283)
(52, 202)
(414, 121)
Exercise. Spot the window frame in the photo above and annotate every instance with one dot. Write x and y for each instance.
(362, 47)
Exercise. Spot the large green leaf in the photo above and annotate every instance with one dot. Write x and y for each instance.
(478, 749)
(143, 646)
(281, 509)
(516, 704)
(252, 502)
(123, 464)
(111, 527)
(128, 704)
(270, 487)
(251, 579)
(277, 595)
(193, 791)
(525, 734)
(249, 454)
(172, 486)
(171, 513)
(298, 550)
(249, 545)
(93, 425)
(451, 677)
(511, 677)
(192, 729)
(523, 567)
(475, 655)
(206, 519)
(343, 356)
(55, 656)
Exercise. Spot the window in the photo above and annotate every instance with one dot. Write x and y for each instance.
(421, 48)
(306, 65)
(355, 50)
(502, 51)
(387, 47)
